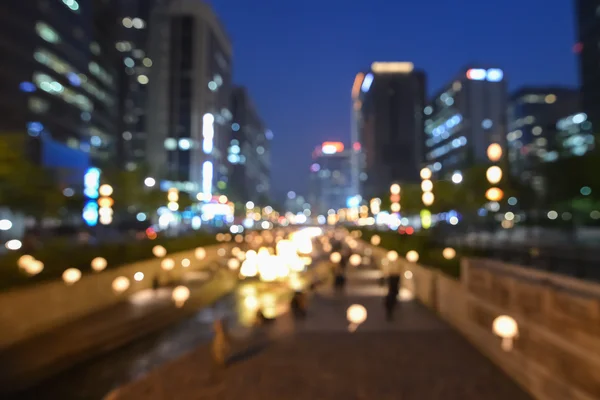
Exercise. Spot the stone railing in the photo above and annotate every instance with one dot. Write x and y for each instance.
(557, 353)
(29, 311)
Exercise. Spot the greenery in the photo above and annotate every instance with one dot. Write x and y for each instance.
(430, 254)
(61, 254)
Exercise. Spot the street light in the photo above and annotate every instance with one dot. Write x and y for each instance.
(494, 152)
(494, 174)
(457, 177)
(149, 182)
(428, 198)
(426, 173)
(427, 185)
(494, 194)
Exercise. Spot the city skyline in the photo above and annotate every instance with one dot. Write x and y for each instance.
(301, 60)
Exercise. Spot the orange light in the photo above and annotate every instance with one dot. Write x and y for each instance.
(494, 194)
(494, 152)
(332, 147)
(357, 83)
(410, 230)
(106, 202)
(395, 198)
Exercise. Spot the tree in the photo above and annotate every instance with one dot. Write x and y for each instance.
(25, 186)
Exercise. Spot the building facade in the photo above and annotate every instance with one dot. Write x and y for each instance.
(463, 119)
(188, 121)
(588, 23)
(533, 134)
(60, 84)
(387, 126)
(135, 69)
(248, 152)
(330, 178)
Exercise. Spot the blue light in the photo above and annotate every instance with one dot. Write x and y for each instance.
(269, 135)
(34, 128)
(27, 87)
(91, 182)
(494, 75)
(141, 217)
(366, 85)
(96, 141)
(90, 213)
(353, 201)
(74, 79)
(235, 127)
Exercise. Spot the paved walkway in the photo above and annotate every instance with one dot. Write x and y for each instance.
(415, 357)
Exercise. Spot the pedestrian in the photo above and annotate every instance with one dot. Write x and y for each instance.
(155, 283)
(219, 348)
(391, 297)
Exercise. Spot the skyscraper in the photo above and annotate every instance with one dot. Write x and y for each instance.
(248, 152)
(59, 82)
(463, 119)
(189, 121)
(387, 123)
(330, 178)
(533, 113)
(135, 71)
(588, 34)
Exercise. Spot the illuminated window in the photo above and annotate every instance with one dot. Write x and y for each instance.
(73, 5)
(170, 144)
(49, 85)
(46, 32)
(551, 98)
(147, 62)
(76, 79)
(37, 105)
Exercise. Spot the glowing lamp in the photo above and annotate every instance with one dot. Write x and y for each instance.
(34, 267)
(395, 189)
(249, 268)
(120, 284)
(105, 202)
(412, 256)
(356, 315)
(427, 185)
(355, 260)
(71, 275)
(425, 173)
(180, 295)
(98, 264)
(449, 253)
(428, 198)
(494, 152)
(493, 174)
(138, 276)
(25, 261)
(159, 251)
(186, 262)
(200, 253)
(392, 255)
(494, 194)
(167, 264)
(395, 207)
(105, 190)
(335, 257)
(233, 263)
(506, 327)
(375, 240)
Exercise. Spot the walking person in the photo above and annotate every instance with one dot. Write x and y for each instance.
(219, 349)
(391, 298)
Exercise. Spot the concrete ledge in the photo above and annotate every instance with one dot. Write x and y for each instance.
(30, 311)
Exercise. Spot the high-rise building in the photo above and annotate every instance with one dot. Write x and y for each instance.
(135, 70)
(575, 137)
(533, 113)
(463, 119)
(588, 34)
(248, 152)
(59, 82)
(188, 121)
(388, 104)
(330, 178)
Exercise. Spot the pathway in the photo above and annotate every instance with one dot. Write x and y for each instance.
(415, 357)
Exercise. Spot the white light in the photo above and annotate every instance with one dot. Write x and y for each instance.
(138, 23)
(13, 244)
(453, 220)
(412, 256)
(425, 173)
(208, 133)
(449, 253)
(476, 74)
(509, 216)
(494, 75)
(149, 182)
(185, 144)
(5, 225)
(552, 214)
(180, 295)
(457, 177)
(143, 79)
(249, 205)
(505, 327)
(71, 275)
(207, 176)
(366, 85)
(138, 276)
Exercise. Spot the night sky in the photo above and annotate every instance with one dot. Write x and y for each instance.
(299, 58)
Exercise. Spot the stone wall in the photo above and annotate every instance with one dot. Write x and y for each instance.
(557, 353)
(26, 312)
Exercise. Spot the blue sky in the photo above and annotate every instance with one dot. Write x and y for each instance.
(299, 58)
